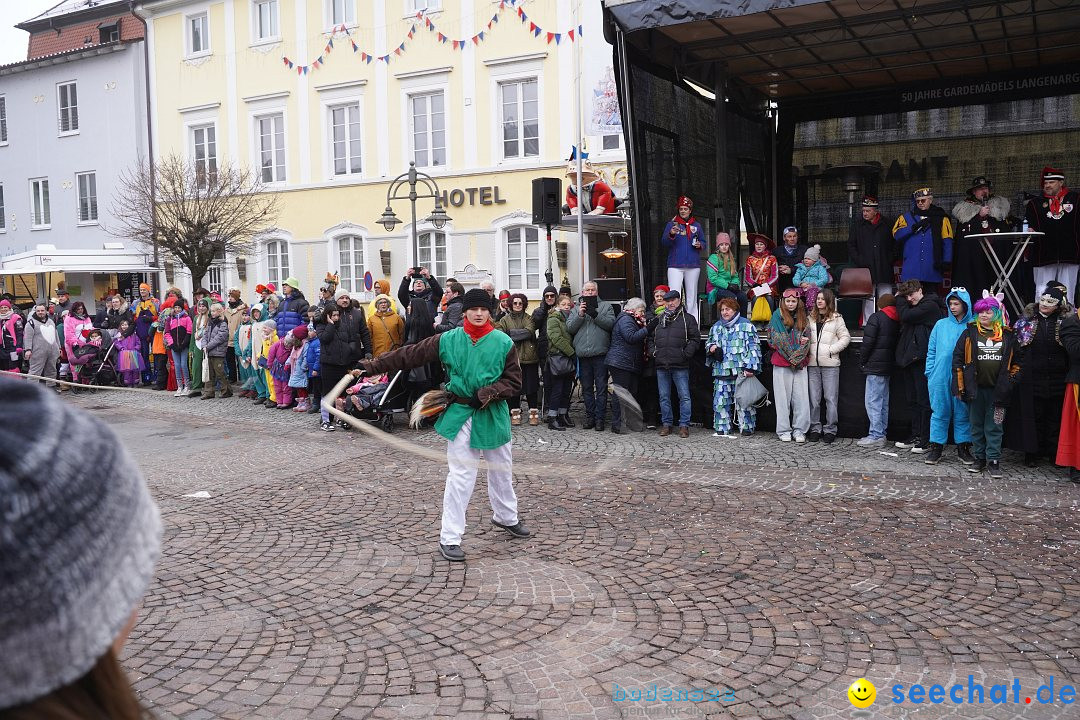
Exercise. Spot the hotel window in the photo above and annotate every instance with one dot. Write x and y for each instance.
(523, 258)
(520, 119)
(351, 262)
(342, 12)
(67, 101)
(345, 138)
(204, 154)
(265, 16)
(40, 217)
(198, 27)
(271, 131)
(88, 209)
(432, 248)
(277, 261)
(3, 120)
(428, 129)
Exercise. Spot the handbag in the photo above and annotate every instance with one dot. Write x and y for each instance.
(561, 365)
(762, 312)
(749, 392)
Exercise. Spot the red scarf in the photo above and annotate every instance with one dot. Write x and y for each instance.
(1055, 200)
(477, 331)
(686, 226)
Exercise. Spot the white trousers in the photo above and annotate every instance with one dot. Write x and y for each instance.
(1062, 272)
(685, 281)
(870, 306)
(461, 480)
(791, 389)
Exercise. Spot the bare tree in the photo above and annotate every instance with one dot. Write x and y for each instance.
(200, 211)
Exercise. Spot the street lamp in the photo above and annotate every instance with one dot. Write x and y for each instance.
(411, 179)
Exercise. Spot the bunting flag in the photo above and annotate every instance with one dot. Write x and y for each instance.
(456, 44)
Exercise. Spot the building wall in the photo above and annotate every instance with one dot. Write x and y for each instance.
(110, 138)
(242, 78)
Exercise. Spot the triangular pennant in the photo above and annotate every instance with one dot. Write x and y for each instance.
(579, 31)
(536, 32)
(551, 36)
(570, 34)
(285, 60)
(326, 50)
(299, 70)
(355, 47)
(331, 43)
(521, 13)
(385, 59)
(475, 39)
(557, 37)
(440, 37)
(489, 24)
(419, 14)
(412, 30)
(305, 70)
(524, 17)
(401, 47)
(320, 59)
(397, 51)
(410, 34)
(494, 18)
(480, 35)
(369, 59)
(455, 44)
(429, 23)
(532, 27)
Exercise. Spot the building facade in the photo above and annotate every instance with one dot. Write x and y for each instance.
(330, 100)
(72, 119)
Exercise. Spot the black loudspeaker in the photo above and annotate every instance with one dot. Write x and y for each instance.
(547, 204)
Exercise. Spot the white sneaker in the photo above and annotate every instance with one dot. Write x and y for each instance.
(785, 438)
(871, 442)
(724, 435)
(800, 438)
(179, 392)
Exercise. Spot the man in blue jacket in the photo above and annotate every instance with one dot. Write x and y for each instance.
(293, 309)
(944, 406)
(924, 237)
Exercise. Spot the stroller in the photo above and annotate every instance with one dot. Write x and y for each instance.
(97, 368)
(373, 401)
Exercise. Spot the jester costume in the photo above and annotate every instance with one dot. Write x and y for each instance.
(737, 350)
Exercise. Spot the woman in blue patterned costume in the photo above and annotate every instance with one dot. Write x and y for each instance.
(733, 349)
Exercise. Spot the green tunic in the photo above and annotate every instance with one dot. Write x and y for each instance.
(471, 367)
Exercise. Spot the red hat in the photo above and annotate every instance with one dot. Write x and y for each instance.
(90, 331)
(1049, 173)
(169, 302)
(503, 294)
(300, 332)
(271, 287)
(260, 289)
(659, 288)
(753, 239)
(685, 201)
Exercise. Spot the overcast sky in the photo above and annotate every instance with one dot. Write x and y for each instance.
(13, 40)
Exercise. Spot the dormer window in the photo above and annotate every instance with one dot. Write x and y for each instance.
(109, 33)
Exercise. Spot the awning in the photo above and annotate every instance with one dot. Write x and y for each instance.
(75, 261)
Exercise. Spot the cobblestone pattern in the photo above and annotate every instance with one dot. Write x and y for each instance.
(309, 585)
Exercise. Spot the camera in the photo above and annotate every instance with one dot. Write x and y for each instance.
(416, 272)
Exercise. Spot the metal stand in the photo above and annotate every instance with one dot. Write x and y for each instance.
(549, 275)
(1004, 270)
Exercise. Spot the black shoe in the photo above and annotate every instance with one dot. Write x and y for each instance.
(995, 468)
(328, 426)
(978, 466)
(963, 451)
(553, 424)
(343, 425)
(616, 430)
(517, 530)
(257, 400)
(600, 426)
(747, 433)
(813, 436)
(1074, 475)
(566, 421)
(828, 438)
(934, 456)
(1031, 460)
(452, 553)
(589, 424)
(561, 422)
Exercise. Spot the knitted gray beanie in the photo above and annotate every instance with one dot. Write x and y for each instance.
(79, 535)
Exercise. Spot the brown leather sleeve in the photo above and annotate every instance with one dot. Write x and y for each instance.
(508, 386)
(405, 358)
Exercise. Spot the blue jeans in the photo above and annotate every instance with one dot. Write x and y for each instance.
(180, 365)
(876, 400)
(592, 372)
(681, 378)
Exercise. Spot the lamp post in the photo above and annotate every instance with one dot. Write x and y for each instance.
(411, 179)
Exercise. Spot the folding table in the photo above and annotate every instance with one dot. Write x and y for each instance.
(1004, 270)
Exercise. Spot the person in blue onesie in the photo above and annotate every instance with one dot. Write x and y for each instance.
(945, 407)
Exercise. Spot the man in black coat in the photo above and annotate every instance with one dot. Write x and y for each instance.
(870, 245)
(979, 213)
(918, 311)
(1056, 255)
(674, 338)
(116, 311)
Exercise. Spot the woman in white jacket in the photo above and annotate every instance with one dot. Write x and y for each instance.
(828, 338)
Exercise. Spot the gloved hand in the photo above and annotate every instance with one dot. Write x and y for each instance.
(923, 224)
(474, 402)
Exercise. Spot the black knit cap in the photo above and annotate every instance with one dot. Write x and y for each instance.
(477, 298)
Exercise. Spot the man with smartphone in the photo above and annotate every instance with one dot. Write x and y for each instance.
(590, 325)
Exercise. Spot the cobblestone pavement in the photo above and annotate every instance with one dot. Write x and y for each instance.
(308, 585)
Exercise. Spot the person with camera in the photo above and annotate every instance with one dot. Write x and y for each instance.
(590, 325)
(419, 283)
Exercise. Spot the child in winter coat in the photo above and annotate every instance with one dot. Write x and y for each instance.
(177, 341)
(829, 337)
(762, 277)
(877, 355)
(986, 367)
(297, 367)
(722, 272)
(944, 407)
(313, 360)
(277, 358)
(242, 347)
(130, 360)
(811, 275)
